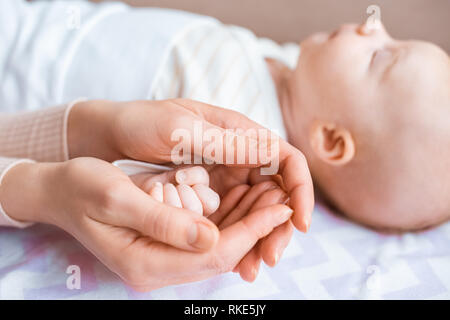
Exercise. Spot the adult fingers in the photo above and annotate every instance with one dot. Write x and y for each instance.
(248, 267)
(247, 202)
(272, 246)
(246, 232)
(234, 243)
(250, 263)
(255, 177)
(298, 183)
(218, 143)
(292, 163)
(166, 223)
(229, 202)
(218, 116)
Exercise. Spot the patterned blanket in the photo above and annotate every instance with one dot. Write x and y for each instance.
(337, 259)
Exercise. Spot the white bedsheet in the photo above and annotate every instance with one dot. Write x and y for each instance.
(337, 259)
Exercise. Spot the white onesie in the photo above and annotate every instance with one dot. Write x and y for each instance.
(119, 53)
(224, 66)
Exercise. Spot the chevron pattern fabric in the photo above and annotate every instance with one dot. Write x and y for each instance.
(337, 259)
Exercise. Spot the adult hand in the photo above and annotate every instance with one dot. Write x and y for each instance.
(239, 198)
(242, 199)
(133, 234)
(142, 130)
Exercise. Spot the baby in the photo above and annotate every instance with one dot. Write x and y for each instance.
(370, 113)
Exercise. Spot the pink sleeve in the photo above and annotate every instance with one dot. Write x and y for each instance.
(32, 136)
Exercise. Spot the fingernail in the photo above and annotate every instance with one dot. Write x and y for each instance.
(285, 215)
(200, 236)
(157, 184)
(276, 258)
(213, 203)
(254, 274)
(181, 176)
(306, 223)
(284, 198)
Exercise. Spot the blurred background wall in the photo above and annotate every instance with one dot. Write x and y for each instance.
(292, 20)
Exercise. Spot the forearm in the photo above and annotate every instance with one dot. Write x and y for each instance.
(57, 134)
(27, 137)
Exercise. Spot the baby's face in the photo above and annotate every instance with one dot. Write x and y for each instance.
(392, 97)
(349, 70)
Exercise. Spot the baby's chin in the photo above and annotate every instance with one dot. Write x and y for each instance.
(388, 221)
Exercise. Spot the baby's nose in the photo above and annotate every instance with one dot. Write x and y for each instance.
(371, 27)
(344, 29)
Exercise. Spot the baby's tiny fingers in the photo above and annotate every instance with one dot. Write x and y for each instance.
(192, 176)
(189, 199)
(157, 191)
(171, 196)
(209, 199)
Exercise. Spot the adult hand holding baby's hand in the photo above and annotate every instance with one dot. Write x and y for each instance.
(133, 234)
(237, 202)
(142, 130)
(82, 194)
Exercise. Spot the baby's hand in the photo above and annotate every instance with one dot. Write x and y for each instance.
(186, 188)
(198, 198)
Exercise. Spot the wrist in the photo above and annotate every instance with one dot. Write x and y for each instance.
(21, 192)
(90, 130)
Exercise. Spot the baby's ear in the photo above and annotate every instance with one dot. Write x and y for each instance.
(332, 144)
